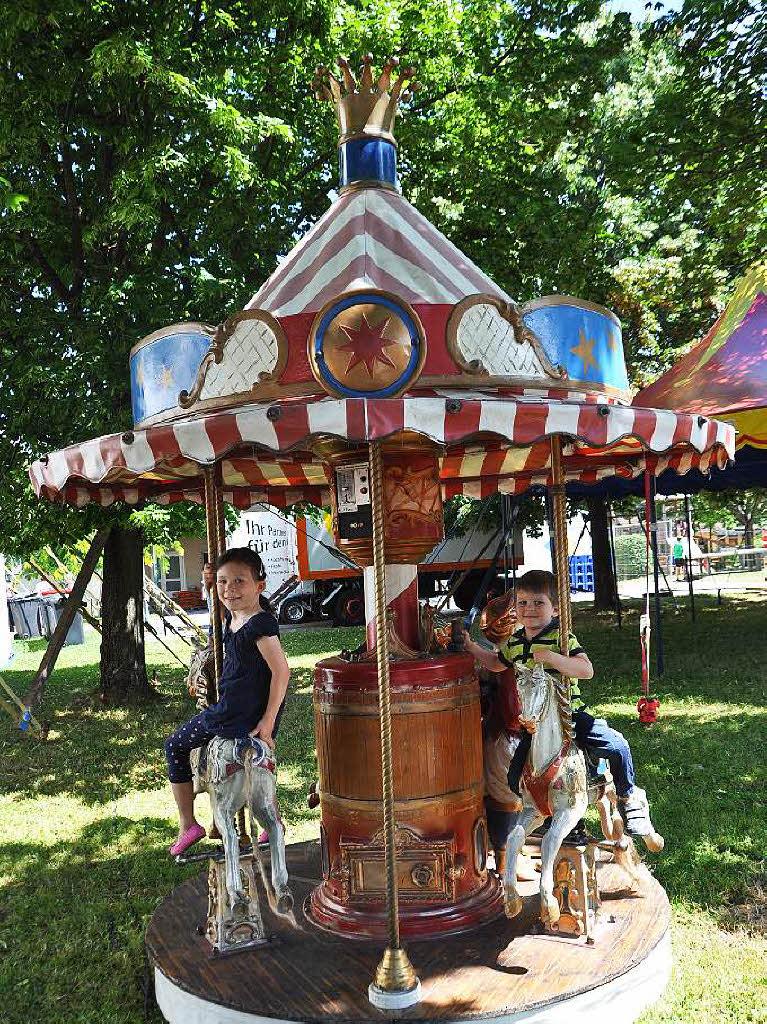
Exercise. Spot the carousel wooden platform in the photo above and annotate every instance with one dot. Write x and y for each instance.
(504, 970)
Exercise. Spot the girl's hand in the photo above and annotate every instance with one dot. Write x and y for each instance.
(263, 731)
(542, 656)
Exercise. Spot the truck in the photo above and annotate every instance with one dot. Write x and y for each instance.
(319, 582)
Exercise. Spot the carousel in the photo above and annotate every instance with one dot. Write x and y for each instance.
(380, 372)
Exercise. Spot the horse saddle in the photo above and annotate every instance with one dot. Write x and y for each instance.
(263, 755)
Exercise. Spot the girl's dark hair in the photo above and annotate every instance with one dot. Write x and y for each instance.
(247, 556)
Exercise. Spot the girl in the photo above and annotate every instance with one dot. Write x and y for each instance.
(252, 688)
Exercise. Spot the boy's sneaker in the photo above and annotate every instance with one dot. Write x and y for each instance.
(635, 811)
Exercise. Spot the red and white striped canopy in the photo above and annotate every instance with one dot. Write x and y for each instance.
(371, 238)
(488, 442)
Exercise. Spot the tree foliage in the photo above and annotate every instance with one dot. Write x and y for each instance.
(157, 160)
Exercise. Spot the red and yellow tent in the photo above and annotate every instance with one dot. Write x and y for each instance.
(725, 375)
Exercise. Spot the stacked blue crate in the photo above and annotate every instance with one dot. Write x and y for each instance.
(582, 573)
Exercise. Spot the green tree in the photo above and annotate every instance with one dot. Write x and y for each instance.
(747, 509)
(678, 141)
(143, 151)
(156, 160)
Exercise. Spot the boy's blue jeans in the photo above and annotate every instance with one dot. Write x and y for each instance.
(600, 740)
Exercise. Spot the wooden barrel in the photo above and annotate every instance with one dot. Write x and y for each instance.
(441, 834)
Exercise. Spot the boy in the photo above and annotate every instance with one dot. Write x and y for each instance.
(537, 641)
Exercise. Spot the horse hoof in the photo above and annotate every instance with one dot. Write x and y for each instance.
(654, 842)
(284, 901)
(550, 912)
(512, 904)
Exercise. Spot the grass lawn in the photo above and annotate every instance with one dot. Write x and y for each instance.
(86, 818)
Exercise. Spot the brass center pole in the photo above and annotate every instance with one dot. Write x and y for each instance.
(395, 972)
(213, 553)
(560, 544)
(218, 490)
(563, 573)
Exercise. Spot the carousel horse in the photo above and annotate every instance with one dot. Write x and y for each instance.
(237, 774)
(554, 784)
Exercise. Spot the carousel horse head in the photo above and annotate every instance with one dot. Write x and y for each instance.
(535, 688)
(200, 679)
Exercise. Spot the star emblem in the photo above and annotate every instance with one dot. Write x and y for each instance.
(366, 345)
(585, 352)
(166, 377)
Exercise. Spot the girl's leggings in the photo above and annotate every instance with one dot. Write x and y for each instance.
(178, 747)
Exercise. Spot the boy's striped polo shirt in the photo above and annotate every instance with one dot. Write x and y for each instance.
(518, 649)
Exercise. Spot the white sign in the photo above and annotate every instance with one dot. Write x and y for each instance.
(272, 536)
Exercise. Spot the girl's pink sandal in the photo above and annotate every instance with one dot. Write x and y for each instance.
(192, 835)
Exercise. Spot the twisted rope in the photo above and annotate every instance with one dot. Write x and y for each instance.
(564, 702)
(384, 690)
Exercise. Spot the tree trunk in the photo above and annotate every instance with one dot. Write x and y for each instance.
(123, 669)
(604, 588)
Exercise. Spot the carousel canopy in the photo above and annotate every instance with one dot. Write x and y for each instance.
(375, 325)
(725, 375)
(489, 442)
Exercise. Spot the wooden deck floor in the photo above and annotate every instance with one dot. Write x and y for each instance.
(306, 974)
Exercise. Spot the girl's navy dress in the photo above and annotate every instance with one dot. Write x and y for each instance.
(243, 696)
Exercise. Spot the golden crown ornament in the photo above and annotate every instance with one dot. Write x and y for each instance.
(365, 108)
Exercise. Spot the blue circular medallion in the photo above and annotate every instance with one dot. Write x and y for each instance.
(367, 344)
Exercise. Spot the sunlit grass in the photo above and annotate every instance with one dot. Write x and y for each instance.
(86, 818)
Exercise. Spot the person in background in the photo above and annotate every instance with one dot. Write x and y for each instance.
(678, 556)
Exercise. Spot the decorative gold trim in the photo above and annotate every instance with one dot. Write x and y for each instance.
(442, 804)
(215, 354)
(367, 135)
(425, 868)
(464, 380)
(351, 294)
(569, 300)
(269, 392)
(364, 710)
(163, 332)
(361, 183)
(510, 312)
(480, 863)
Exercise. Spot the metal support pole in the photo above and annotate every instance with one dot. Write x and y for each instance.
(213, 553)
(561, 565)
(513, 509)
(552, 530)
(614, 563)
(396, 985)
(558, 506)
(688, 516)
(220, 513)
(506, 545)
(654, 546)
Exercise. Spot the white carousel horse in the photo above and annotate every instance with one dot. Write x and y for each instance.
(233, 784)
(554, 784)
